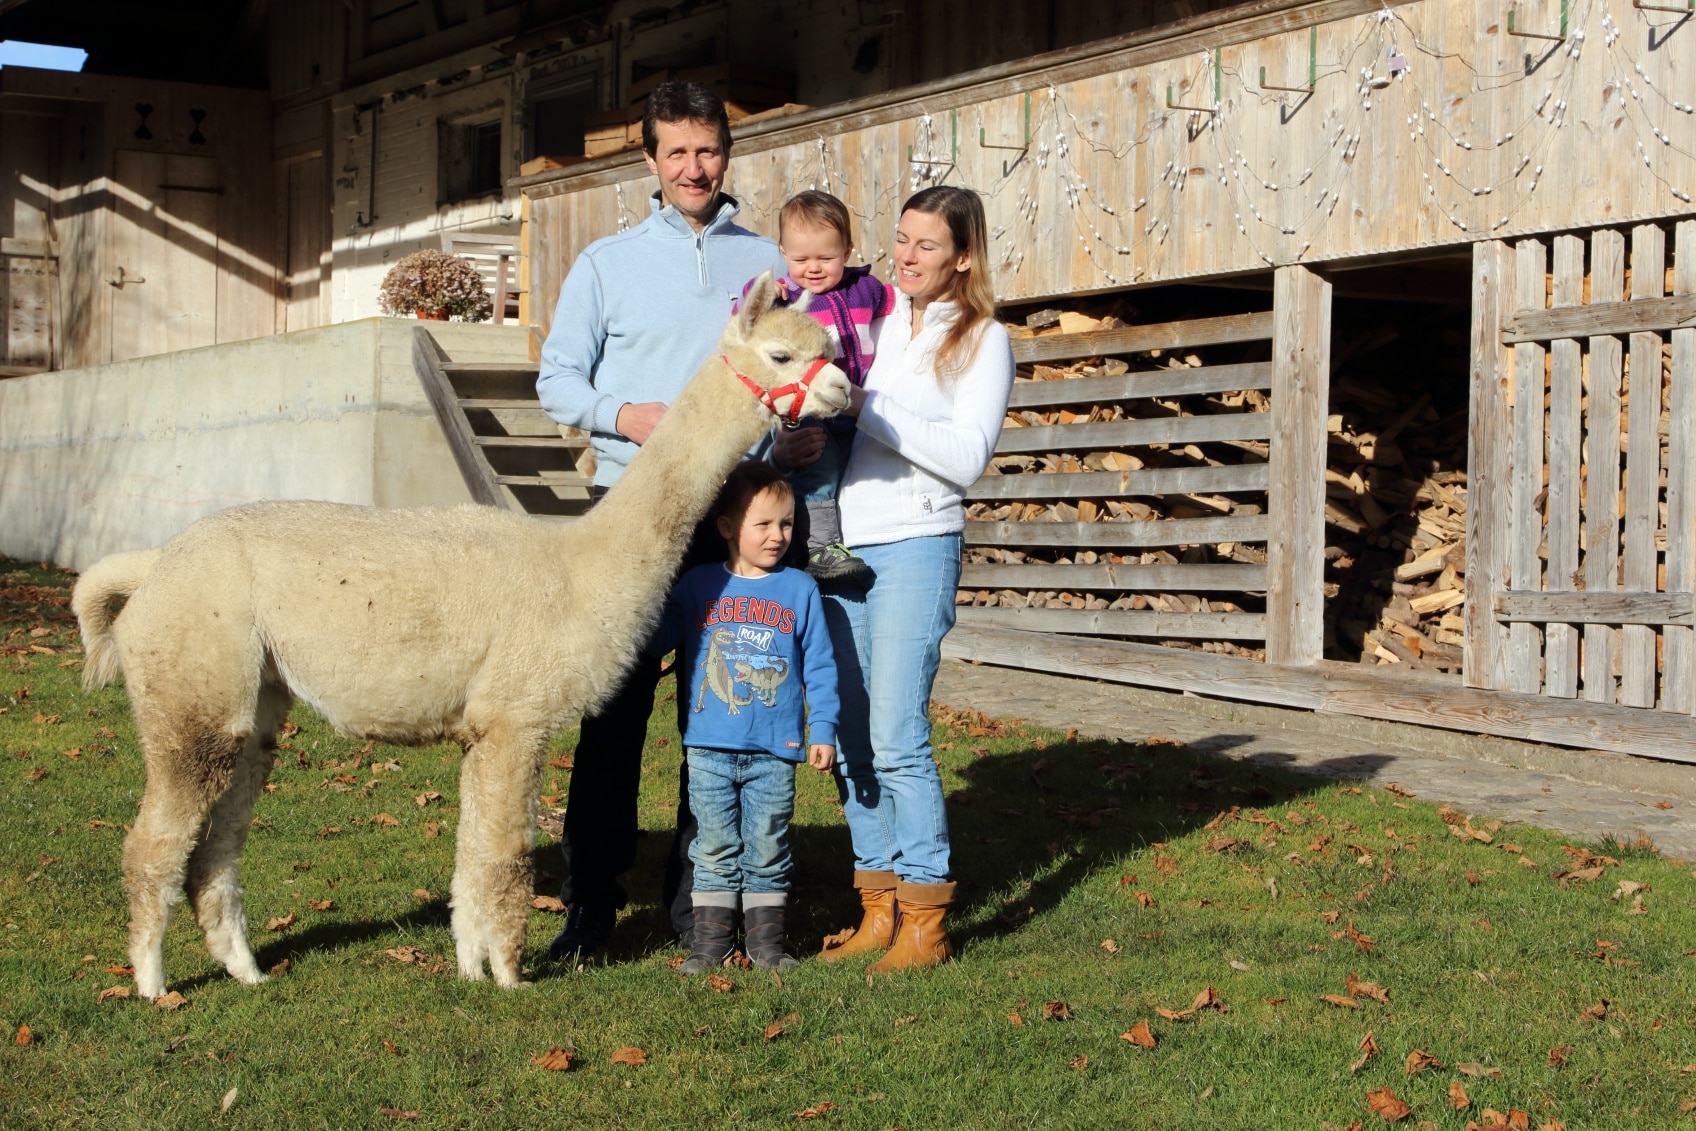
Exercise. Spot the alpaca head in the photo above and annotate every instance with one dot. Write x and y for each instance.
(775, 346)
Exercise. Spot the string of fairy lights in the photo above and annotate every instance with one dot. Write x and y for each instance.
(1402, 80)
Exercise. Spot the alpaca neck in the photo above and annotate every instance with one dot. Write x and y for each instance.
(651, 512)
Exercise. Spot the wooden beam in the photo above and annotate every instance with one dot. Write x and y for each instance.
(1120, 622)
(1113, 576)
(1390, 692)
(473, 464)
(1295, 558)
(1525, 520)
(1642, 467)
(1119, 484)
(1178, 430)
(1597, 608)
(1651, 315)
(1148, 383)
(558, 443)
(1139, 339)
(1678, 665)
(1566, 433)
(1112, 535)
(1601, 461)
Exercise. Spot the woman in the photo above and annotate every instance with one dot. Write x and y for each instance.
(929, 416)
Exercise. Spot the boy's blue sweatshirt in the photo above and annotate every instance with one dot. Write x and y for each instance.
(638, 314)
(757, 653)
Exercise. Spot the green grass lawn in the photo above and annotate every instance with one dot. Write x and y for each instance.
(1101, 884)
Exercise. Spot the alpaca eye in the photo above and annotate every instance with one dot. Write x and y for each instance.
(781, 358)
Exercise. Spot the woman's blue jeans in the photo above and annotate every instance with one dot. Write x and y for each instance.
(888, 642)
(743, 801)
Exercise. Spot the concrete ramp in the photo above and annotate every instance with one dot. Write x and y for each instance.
(121, 457)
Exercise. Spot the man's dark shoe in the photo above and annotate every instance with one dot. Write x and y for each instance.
(837, 562)
(587, 926)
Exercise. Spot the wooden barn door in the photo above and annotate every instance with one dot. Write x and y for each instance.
(164, 254)
(1581, 551)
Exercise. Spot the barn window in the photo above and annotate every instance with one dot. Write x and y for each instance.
(470, 159)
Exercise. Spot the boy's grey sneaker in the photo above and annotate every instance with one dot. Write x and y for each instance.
(587, 926)
(837, 562)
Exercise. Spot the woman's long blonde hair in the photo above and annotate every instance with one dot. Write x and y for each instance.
(973, 290)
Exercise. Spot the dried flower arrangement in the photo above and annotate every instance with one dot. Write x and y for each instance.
(429, 282)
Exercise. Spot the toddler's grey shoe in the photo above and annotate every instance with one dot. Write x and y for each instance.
(711, 940)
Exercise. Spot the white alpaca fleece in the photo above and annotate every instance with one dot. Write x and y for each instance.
(406, 626)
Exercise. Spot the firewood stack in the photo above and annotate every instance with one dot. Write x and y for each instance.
(1396, 491)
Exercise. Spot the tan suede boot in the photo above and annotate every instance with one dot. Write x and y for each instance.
(877, 925)
(921, 942)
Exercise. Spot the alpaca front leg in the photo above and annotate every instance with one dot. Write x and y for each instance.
(492, 878)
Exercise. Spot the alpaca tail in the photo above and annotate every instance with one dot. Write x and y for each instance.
(91, 601)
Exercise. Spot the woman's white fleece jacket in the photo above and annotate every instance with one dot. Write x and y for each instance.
(921, 443)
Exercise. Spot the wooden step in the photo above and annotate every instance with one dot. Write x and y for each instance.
(545, 480)
(511, 403)
(500, 367)
(559, 443)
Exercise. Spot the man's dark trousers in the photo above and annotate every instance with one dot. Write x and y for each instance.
(606, 774)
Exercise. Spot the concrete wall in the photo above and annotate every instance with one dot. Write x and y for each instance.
(123, 456)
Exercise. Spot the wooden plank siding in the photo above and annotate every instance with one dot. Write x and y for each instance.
(1118, 190)
(1295, 548)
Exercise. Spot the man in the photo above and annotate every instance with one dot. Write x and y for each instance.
(637, 315)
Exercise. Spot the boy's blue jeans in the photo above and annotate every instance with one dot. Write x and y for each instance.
(742, 801)
(817, 483)
(888, 643)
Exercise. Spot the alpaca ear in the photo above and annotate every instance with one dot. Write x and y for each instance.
(755, 303)
(799, 306)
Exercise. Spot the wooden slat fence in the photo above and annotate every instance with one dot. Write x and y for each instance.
(1582, 559)
(1128, 496)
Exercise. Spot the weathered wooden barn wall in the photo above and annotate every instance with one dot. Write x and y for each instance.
(1472, 140)
(167, 178)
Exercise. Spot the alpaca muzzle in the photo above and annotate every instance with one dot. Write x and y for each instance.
(769, 397)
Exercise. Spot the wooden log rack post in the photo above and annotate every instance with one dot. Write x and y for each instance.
(1295, 546)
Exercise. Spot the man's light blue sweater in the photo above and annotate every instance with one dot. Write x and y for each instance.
(638, 314)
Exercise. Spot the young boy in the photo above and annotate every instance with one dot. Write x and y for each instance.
(815, 236)
(754, 644)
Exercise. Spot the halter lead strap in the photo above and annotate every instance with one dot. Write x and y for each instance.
(768, 397)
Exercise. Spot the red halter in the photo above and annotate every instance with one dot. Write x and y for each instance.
(768, 396)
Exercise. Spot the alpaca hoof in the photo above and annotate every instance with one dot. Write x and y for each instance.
(150, 988)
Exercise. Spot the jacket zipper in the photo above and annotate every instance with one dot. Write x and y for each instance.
(701, 256)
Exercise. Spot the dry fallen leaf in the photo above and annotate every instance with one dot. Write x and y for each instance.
(630, 1055)
(229, 1101)
(1384, 1103)
(24, 1036)
(280, 968)
(1110, 946)
(1056, 1011)
(1418, 1060)
(700, 1030)
(719, 984)
(1330, 916)
(815, 1111)
(424, 895)
(432, 829)
(426, 797)
(121, 971)
(555, 1059)
(1663, 805)
(1166, 865)
(385, 821)
(1225, 843)
(1240, 967)
(322, 904)
(1078, 1064)
(1596, 1012)
(1339, 1000)
(1373, 990)
(170, 1001)
(1016, 1019)
(1139, 1035)
(280, 924)
(1360, 940)
(111, 992)
(548, 903)
(1145, 899)
(1458, 1096)
(397, 1113)
(1368, 1050)
(1558, 1055)
(1473, 1068)
(777, 1028)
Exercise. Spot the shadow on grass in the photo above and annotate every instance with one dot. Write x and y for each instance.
(1027, 827)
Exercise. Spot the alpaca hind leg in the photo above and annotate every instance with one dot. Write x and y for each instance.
(497, 829)
(214, 876)
(170, 823)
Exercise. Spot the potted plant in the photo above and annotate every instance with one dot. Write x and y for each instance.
(434, 285)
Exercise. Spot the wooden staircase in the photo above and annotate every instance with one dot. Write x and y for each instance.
(509, 451)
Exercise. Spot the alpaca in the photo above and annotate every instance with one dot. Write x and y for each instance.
(409, 626)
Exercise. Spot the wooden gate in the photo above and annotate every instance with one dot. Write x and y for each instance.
(1581, 553)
